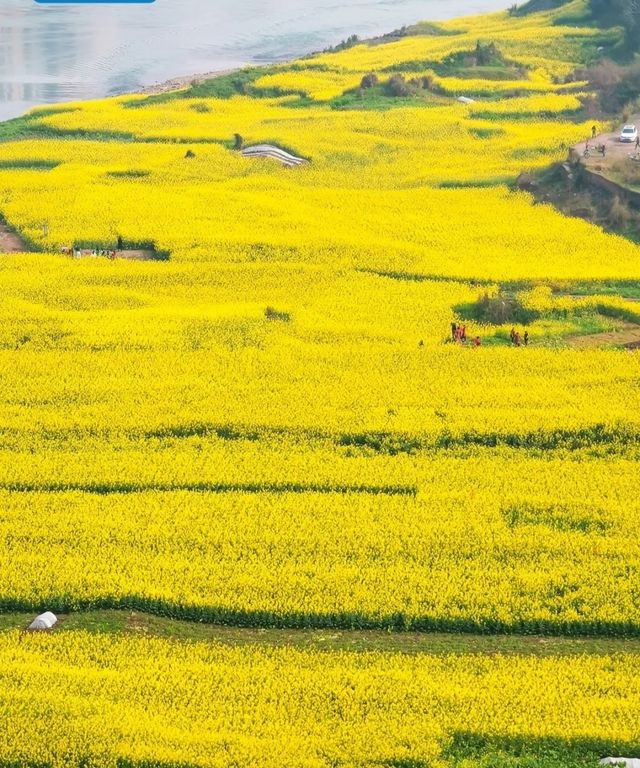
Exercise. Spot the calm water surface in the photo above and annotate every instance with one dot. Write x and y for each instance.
(50, 54)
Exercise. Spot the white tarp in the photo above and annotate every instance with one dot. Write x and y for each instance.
(275, 153)
(44, 621)
(629, 762)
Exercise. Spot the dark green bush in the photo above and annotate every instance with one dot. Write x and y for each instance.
(201, 106)
(398, 87)
(369, 81)
(501, 310)
(274, 314)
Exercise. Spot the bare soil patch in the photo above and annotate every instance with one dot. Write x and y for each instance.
(139, 254)
(628, 338)
(10, 242)
(136, 255)
(183, 82)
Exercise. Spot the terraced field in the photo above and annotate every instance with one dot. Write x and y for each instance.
(271, 439)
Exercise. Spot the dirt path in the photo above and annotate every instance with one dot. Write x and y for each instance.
(10, 242)
(134, 622)
(615, 149)
(580, 296)
(129, 255)
(136, 255)
(628, 338)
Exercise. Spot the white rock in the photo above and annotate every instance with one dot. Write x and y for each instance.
(466, 100)
(44, 621)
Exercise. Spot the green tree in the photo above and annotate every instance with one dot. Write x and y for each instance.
(623, 13)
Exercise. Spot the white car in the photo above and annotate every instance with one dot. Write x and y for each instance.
(629, 134)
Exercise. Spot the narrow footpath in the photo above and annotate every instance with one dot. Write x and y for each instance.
(126, 622)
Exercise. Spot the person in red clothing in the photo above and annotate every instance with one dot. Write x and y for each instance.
(476, 341)
(516, 339)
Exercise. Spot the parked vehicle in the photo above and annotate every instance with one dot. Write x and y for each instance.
(629, 134)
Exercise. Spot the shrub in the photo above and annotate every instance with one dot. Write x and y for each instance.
(427, 82)
(241, 87)
(274, 314)
(617, 86)
(369, 81)
(398, 87)
(501, 310)
(619, 213)
(486, 55)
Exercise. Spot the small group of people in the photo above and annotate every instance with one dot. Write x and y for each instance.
(600, 148)
(519, 340)
(77, 253)
(459, 335)
(108, 253)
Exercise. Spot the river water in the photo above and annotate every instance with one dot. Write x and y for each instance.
(53, 53)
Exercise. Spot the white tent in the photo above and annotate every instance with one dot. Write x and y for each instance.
(44, 621)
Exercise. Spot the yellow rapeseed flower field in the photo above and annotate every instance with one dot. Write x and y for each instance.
(268, 424)
(142, 702)
(324, 536)
(277, 397)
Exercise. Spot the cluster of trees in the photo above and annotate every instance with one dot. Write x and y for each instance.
(617, 86)
(487, 55)
(608, 13)
(623, 13)
(344, 45)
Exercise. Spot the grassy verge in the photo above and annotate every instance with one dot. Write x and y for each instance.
(137, 623)
(377, 99)
(29, 126)
(240, 82)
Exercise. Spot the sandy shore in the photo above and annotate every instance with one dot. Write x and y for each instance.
(177, 83)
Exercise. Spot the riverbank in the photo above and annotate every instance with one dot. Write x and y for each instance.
(92, 51)
(182, 81)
